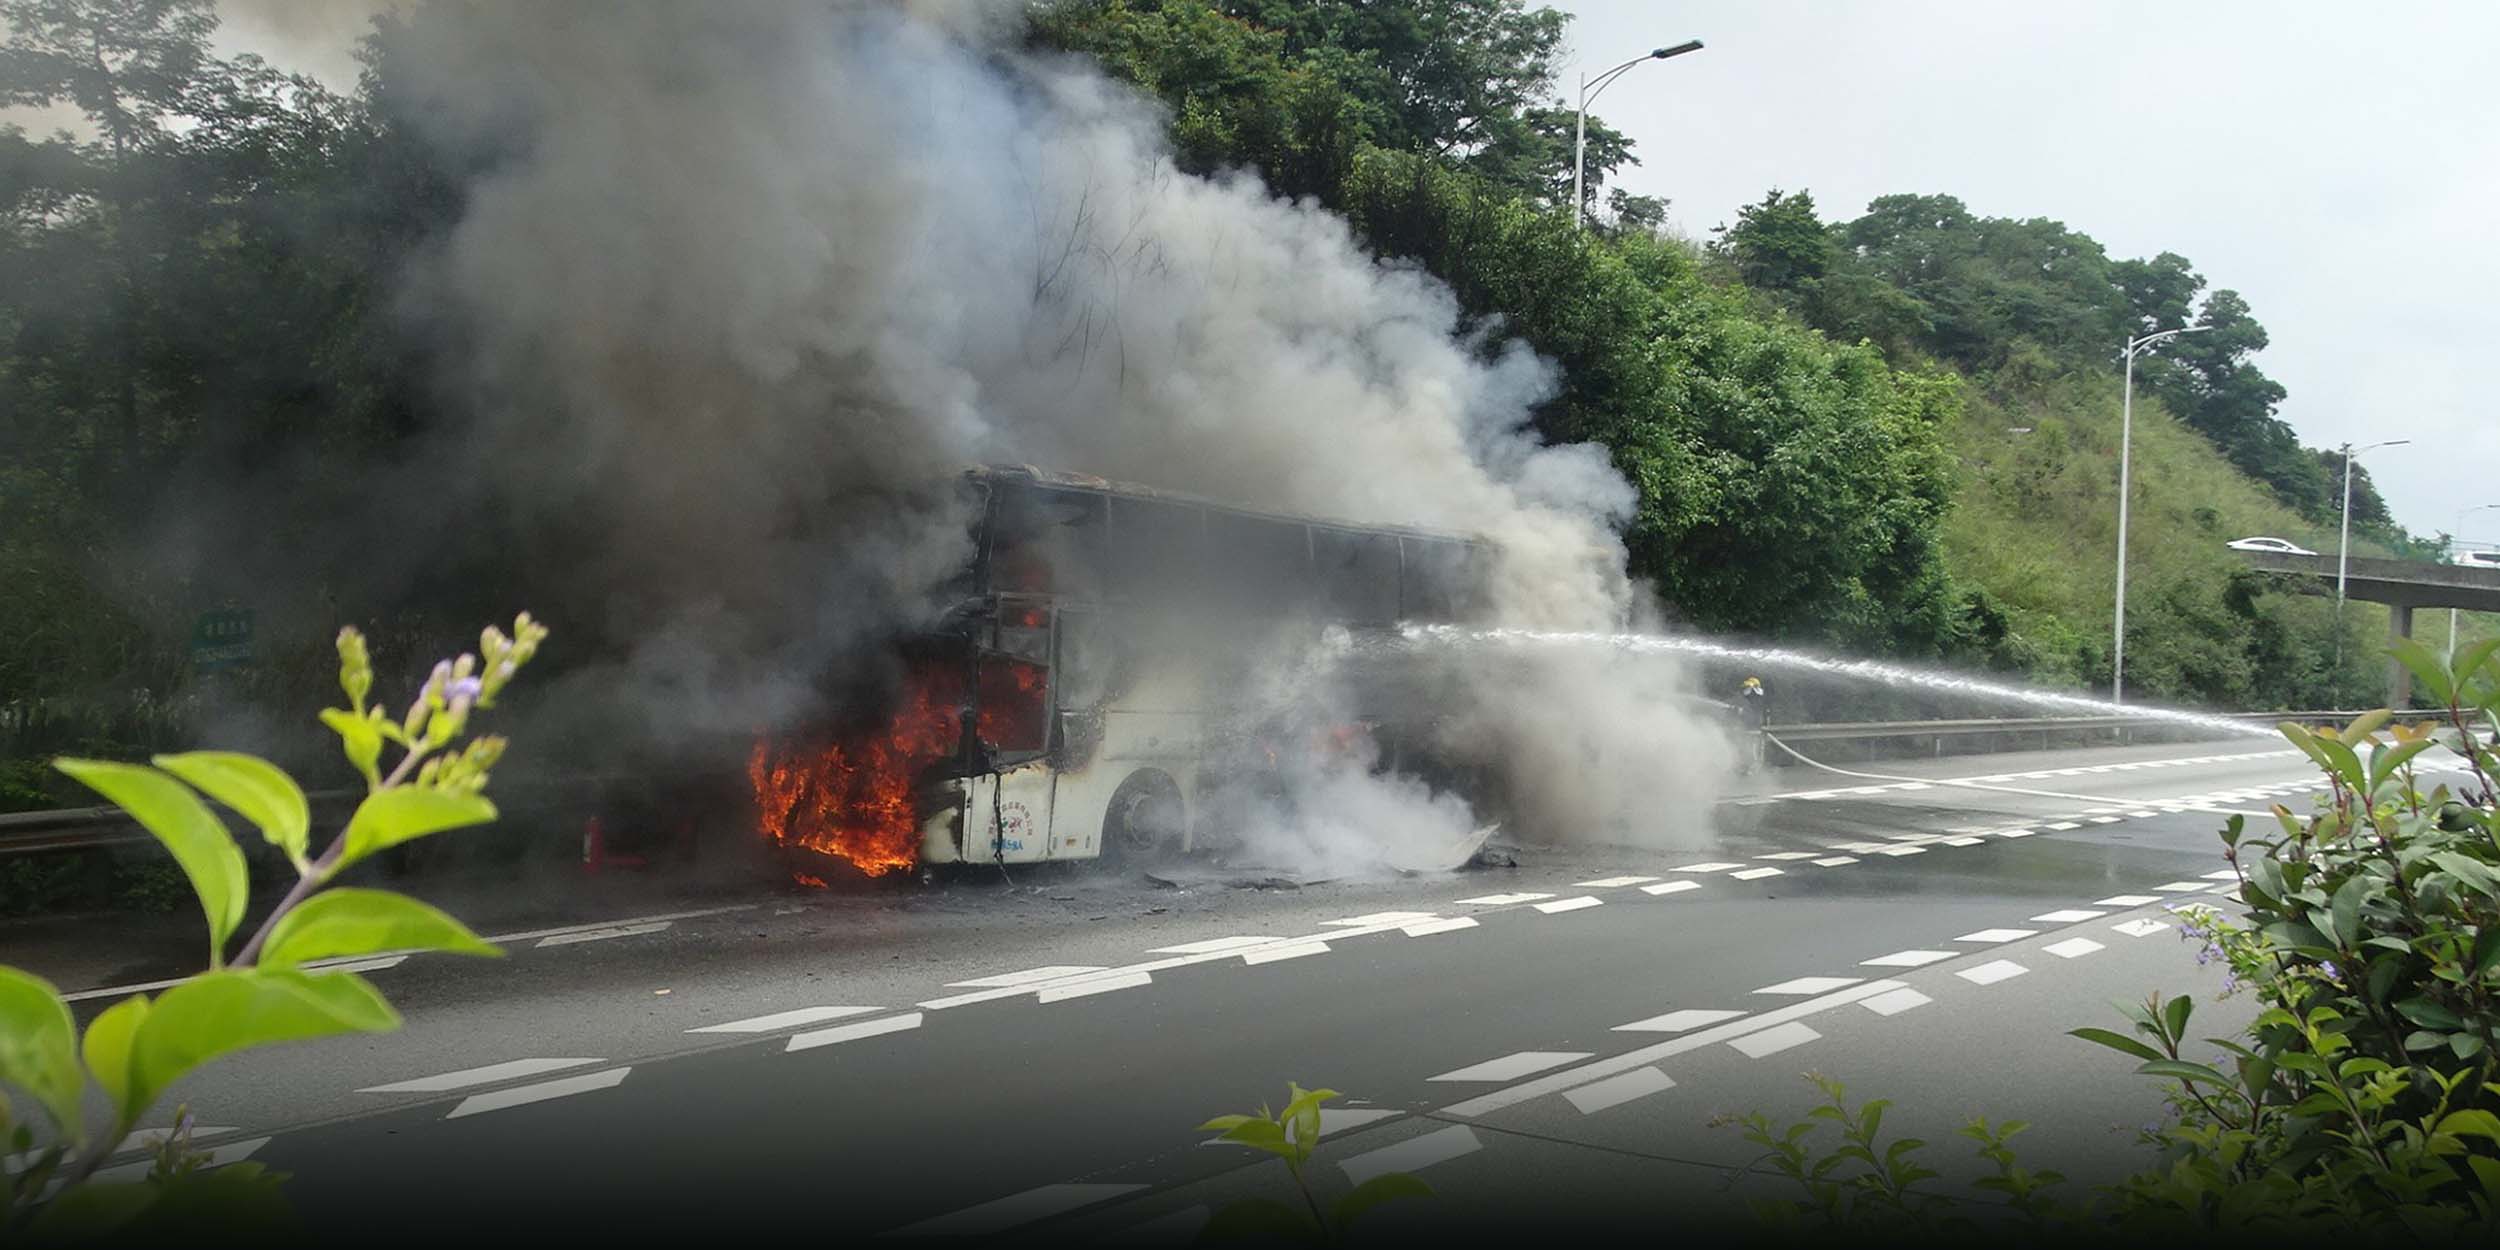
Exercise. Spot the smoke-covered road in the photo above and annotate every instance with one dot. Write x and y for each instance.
(1543, 1044)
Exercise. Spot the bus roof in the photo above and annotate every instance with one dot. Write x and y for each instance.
(1064, 480)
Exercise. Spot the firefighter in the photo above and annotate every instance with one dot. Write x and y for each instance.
(1750, 702)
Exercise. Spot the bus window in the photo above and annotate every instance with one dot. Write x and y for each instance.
(1437, 580)
(1045, 540)
(1358, 574)
(1158, 548)
(1014, 701)
(1265, 563)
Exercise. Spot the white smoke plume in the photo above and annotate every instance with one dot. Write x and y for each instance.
(737, 281)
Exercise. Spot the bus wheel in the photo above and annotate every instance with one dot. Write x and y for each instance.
(1145, 821)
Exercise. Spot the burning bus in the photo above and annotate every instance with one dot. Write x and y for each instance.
(1101, 677)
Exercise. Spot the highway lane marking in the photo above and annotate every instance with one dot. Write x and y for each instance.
(1962, 841)
(2128, 900)
(1775, 1039)
(1212, 945)
(1413, 1155)
(1054, 972)
(1992, 972)
(1561, 905)
(2181, 887)
(1993, 936)
(2223, 874)
(1273, 954)
(1008, 1212)
(445, 1082)
(2106, 820)
(1906, 959)
(1105, 985)
(2071, 915)
(853, 1032)
(1683, 1021)
(786, 1019)
(1331, 1120)
(1711, 866)
(1808, 985)
(1609, 883)
(1512, 1067)
(1430, 927)
(1896, 1002)
(1670, 887)
(2063, 824)
(1615, 1091)
(604, 935)
(2140, 928)
(2014, 833)
(1573, 1078)
(1898, 851)
(521, 1096)
(1787, 855)
(2073, 948)
(970, 997)
(1385, 918)
(1754, 874)
(1835, 861)
(215, 1157)
(1500, 900)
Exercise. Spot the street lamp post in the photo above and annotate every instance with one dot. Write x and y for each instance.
(2343, 540)
(2126, 453)
(1580, 141)
(2452, 554)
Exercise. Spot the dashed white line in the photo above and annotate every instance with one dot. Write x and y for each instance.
(1414, 1154)
(216, 1156)
(1897, 851)
(853, 1032)
(1835, 861)
(1513, 1067)
(1992, 972)
(1670, 887)
(1207, 947)
(1500, 900)
(1429, 927)
(1808, 985)
(2062, 824)
(1610, 883)
(561, 1087)
(1775, 1039)
(2127, 900)
(1993, 936)
(1569, 904)
(1787, 855)
(1906, 959)
(1385, 918)
(2015, 833)
(786, 1019)
(1105, 985)
(2071, 915)
(1615, 1091)
(1683, 1021)
(2223, 874)
(2180, 887)
(2140, 928)
(1015, 1209)
(2072, 948)
(1274, 954)
(445, 1082)
(1895, 1002)
(1712, 866)
(603, 935)
(1754, 874)
(1962, 841)
(1027, 977)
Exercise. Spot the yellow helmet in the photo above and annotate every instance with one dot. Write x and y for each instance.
(1752, 682)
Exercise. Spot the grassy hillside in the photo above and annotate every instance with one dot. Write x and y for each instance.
(2035, 524)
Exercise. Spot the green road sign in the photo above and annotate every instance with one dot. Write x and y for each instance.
(221, 640)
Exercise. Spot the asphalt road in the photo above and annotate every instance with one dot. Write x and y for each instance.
(1545, 1045)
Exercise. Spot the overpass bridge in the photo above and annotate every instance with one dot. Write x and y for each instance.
(2403, 585)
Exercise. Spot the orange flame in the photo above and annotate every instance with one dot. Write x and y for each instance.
(853, 798)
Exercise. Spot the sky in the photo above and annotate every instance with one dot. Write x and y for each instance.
(2336, 165)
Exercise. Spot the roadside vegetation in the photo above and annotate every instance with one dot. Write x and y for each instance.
(200, 306)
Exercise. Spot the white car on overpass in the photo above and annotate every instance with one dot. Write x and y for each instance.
(2479, 559)
(2279, 546)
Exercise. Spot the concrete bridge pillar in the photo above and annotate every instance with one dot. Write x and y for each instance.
(2399, 678)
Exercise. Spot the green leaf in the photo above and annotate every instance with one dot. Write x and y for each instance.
(2182, 1070)
(1267, 1135)
(218, 1013)
(91, 1211)
(2471, 1123)
(107, 1048)
(2344, 914)
(404, 813)
(182, 822)
(2174, 1016)
(1375, 1191)
(2477, 875)
(39, 1048)
(257, 789)
(2486, 957)
(365, 922)
(361, 739)
(2118, 1042)
(2428, 669)
(2429, 1014)
(1260, 1218)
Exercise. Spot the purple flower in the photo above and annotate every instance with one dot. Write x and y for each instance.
(2332, 972)
(465, 688)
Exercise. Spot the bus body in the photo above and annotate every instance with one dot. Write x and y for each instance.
(1094, 705)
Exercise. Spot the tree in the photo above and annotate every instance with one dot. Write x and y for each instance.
(1778, 244)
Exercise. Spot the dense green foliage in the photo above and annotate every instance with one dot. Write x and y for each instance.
(201, 285)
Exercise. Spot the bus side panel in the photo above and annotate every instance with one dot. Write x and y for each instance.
(1006, 814)
(1132, 741)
